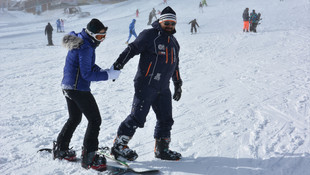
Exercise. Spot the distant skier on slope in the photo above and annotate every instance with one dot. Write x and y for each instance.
(193, 25)
(132, 30)
(151, 16)
(159, 62)
(253, 21)
(58, 25)
(49, 32)
(204, 2)
(246, 18)
(79, 71)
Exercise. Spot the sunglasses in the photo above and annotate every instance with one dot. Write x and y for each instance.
(167, 23)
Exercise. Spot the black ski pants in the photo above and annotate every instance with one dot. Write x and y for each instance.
(144, 99)
(81, 102)
(49, 39)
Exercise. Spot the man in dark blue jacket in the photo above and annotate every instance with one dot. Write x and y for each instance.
(159, 62)
(79, 71)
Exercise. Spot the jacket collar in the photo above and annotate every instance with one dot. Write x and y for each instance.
(89, 39)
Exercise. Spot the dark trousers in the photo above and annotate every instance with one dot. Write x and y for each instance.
(81, 102)
(142, 102)
(253, 27)
(194, 27)
(49, 39)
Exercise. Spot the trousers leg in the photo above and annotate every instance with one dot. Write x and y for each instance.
(75, 117)
(86, 103)
(162, 107)
(140, 108)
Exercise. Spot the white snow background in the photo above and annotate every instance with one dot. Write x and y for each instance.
(245, 106)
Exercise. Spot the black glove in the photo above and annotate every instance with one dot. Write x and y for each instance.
(118, 66)
(177, 90)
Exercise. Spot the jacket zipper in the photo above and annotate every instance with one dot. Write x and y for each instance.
(76, 79)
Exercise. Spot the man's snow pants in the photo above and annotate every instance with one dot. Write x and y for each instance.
(161, 103)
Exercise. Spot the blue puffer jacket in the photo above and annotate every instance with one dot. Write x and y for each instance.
(80, 68)
(159, 58)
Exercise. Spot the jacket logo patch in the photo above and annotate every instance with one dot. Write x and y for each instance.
(157, 77)
(161, 47)
(161, 53)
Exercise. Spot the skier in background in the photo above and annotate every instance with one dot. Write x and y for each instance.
(200, 7)
(159, 62)
(246, 18)
(204, 2)
(137, 13)
(151, 16)
(49, 32)
(132, 30)
(193, 25)
(253, 21)
(165, 2)
(79, 71)
(258, 20)
(62, 25)
(58, 25)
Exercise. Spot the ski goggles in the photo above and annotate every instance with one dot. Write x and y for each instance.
(167, 23)
(97, 36)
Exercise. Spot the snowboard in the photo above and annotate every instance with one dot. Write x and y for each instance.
(107, 154)
(113, 169)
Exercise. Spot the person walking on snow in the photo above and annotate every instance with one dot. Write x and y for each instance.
(159, 62)
(246, 18)
(49, 32)
(253, 21)
(62, 25)
(79, 71)
(137, 13)
(193, 25)
(132, 30)
(58, 25)
(151, 15)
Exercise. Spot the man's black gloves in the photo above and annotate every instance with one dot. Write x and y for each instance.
(118, 66)
(177, 90)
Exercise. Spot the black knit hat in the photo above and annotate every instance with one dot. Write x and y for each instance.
(95, 26)
(168, 14)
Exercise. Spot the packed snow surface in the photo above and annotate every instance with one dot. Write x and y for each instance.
(245, 106)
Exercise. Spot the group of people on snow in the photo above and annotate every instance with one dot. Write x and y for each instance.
(49, 30)
(60, 25)
(251, 21)
(151, 83)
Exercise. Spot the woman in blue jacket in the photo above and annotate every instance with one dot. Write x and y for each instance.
(132, 30)
(80, 69)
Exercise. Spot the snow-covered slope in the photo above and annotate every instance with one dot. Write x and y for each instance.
(245, 107)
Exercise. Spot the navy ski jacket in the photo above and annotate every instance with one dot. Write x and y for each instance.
(159, 58)
(80, 68)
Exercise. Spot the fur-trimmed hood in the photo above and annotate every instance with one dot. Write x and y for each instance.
(72, 41)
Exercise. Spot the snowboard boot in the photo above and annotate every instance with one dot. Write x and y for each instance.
(163, 152)
(67, 154)
(93, 160)
(121, 151)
